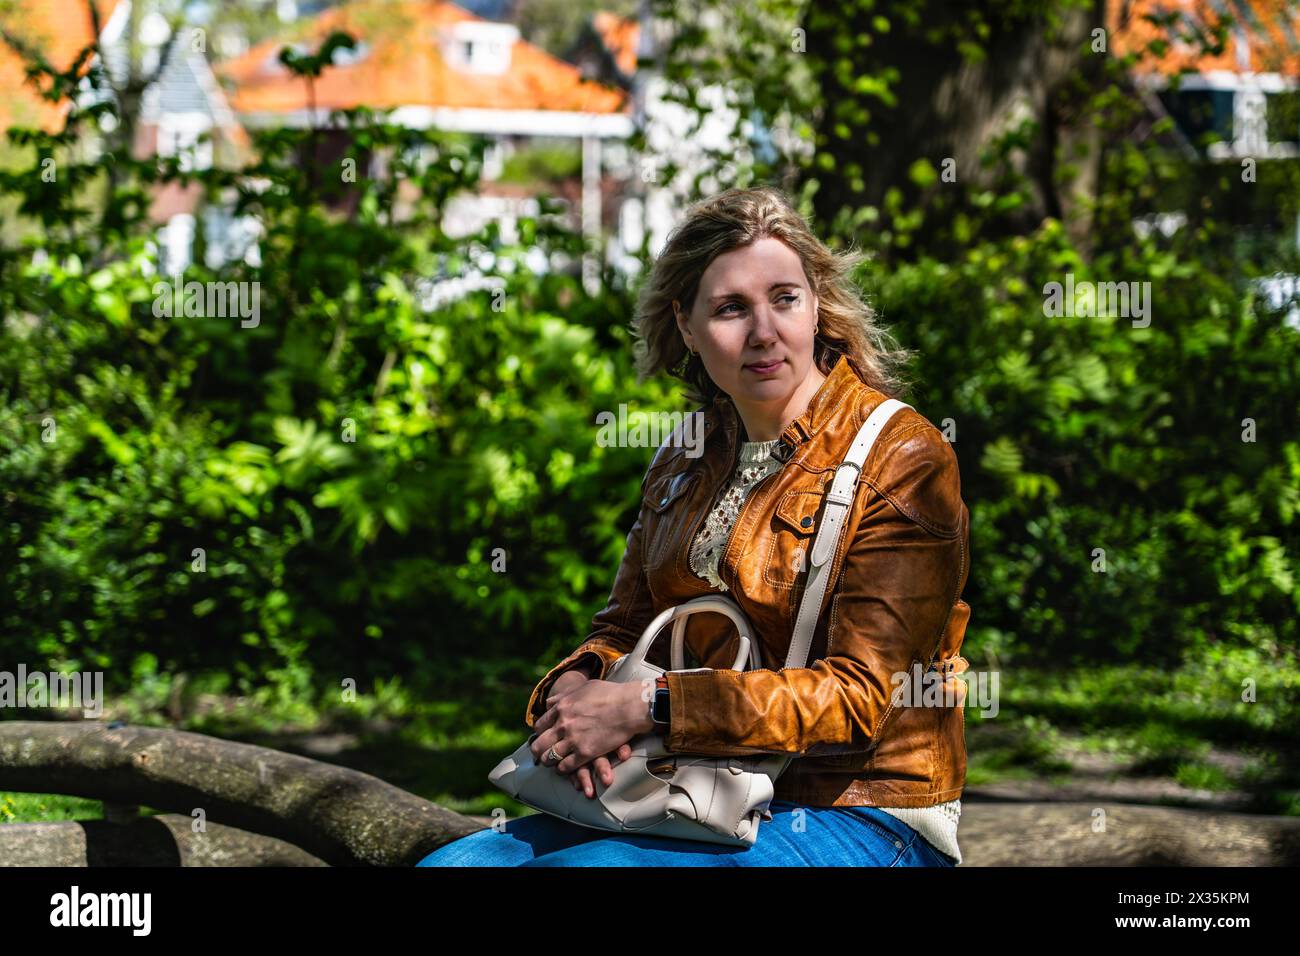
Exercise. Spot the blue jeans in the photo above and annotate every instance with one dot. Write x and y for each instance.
(795, 836)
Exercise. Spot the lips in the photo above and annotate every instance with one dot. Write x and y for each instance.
(764, 369)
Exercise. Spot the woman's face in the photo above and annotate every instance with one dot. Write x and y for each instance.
(753, 324)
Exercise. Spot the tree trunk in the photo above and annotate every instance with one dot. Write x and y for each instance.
(266, 808)
(341, 816)
(948, 106)
(1063, 834)
(167, 839)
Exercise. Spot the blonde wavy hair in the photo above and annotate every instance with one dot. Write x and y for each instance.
(733, 219)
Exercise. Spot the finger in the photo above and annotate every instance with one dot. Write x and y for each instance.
(570, 758)
(543, 723)
(537, 747)
(551, 740)
(584, 781)
(602, 767)
(555, 695)
(541, 746)
(561, 688)
(622, 754)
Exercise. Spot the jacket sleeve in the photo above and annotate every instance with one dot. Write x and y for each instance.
(899, 579)
(615, 629)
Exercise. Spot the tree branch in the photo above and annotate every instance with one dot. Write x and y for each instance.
(341, 816)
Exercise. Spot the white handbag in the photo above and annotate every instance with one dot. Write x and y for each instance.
(657, 792)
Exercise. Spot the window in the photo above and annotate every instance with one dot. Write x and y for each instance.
(1283, 117)
(1203, 116)
(478, 46)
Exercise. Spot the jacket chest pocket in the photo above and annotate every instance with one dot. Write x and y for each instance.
(667, 502)
(794, 527)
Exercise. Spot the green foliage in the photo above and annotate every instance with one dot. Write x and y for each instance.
(323, 491)
(1083, 435)
(1133, 487)
(351, 465)
(46, 808)
(542, 164)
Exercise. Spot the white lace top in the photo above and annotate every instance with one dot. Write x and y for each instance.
(756, 463)
(937, 824)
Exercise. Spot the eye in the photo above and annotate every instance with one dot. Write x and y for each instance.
(792, 297)
(727, 306)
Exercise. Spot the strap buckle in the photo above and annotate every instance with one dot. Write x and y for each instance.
(845, 498)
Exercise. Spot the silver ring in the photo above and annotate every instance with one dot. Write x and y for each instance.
(552, 753)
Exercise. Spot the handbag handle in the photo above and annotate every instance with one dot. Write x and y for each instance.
(678, 660)
(678, 614)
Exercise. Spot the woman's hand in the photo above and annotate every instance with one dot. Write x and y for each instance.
(570, 680)
(604, 765)
(587, 722)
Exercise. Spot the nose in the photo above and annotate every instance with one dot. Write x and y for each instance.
(762, 330)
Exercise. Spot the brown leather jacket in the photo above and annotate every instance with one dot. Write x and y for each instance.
(892, 602)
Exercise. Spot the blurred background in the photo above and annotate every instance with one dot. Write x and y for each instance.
(355, 506)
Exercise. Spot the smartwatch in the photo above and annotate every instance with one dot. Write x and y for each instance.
(659, 704)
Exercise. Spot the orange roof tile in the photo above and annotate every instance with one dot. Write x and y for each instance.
(404, 67)
(1270, 30)
(59, 30)
(620, 36)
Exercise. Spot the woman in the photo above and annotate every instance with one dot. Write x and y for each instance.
(760, 319)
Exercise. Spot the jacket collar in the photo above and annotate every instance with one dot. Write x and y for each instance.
(841, 376)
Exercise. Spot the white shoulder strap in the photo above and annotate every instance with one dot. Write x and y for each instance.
(839, 500)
